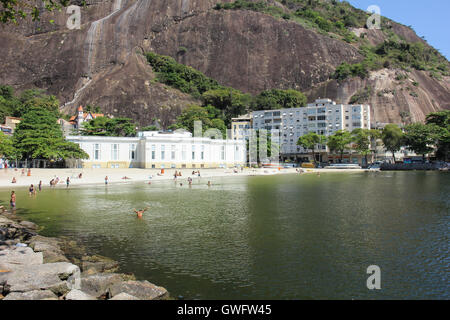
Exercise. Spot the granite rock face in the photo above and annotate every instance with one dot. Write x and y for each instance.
(101, 63)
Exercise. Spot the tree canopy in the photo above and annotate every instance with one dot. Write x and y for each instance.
(393, 138)
(206, 115)
(442, 120)
(113, 127)
(7, 149)
(39, 136)
(339, 141)
(421, 138)
(279, 99)
(310, 140)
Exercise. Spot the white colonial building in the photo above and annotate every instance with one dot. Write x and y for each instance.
(161, 150)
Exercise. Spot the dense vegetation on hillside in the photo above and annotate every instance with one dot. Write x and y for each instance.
(223, 102)
(325, 16)
(336, 17)
(395, 53)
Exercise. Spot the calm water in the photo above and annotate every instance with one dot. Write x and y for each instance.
(278, 237)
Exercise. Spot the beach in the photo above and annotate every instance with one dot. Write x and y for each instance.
(116, 176)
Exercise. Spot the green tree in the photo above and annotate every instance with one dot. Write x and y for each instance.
(115, 127)
(310, 140)
(339, 141)
(7, 149)
(231, 102)
(8, 102)
(39, 136)
(393, 138)
(442, 120)
(422, 138)
(30, 99)
(150, 128)
(362, 139)
(196, 113)
(279, 99)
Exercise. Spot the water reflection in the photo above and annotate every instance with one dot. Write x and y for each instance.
(281, 237)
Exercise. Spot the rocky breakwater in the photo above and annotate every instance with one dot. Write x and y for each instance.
(33, 267)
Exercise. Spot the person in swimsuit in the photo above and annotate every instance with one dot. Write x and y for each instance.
(67, 181)
(40, 185)
(140, 212)
(32, 190)
(13, 200)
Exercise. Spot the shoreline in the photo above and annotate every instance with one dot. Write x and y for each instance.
(34, 267)
(115, 176)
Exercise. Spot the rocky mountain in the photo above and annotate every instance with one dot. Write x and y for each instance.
(251, 50)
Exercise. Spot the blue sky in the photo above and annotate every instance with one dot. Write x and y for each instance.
(428, 18)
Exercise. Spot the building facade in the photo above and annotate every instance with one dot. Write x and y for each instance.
(240, 127)
(82, 117)
(323, 117)
(161, 150)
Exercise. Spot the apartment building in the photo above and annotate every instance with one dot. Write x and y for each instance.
(324, 117)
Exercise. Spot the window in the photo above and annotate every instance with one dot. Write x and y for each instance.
(163, 151)
(96, 151)
(183, 152)
(193, 152)
(153, 152)
(321, 118)
(115, 151)
(202, 155)
(132, 151)
(173, 152)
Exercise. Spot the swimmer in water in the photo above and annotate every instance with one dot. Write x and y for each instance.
(140, 212)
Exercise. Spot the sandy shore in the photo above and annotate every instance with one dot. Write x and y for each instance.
(97, 176)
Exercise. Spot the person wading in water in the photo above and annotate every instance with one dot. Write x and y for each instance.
(12, 202)
(140, 212)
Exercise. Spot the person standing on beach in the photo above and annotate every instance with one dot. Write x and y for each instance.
(40, 186)
(106, 180)
(67, 182)
(12, 202)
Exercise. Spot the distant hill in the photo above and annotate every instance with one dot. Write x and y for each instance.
(319, 47)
